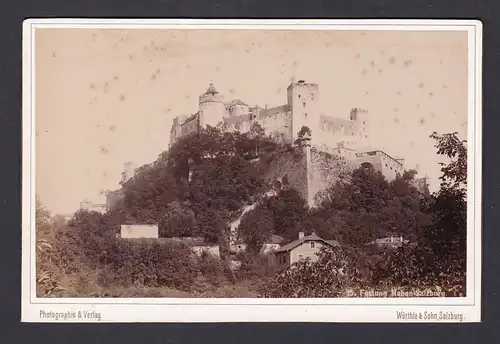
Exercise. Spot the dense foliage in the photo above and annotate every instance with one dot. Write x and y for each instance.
(367, 206)
(355, 211)
(202, 184)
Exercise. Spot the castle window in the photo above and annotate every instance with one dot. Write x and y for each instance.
(364, 122)
(305, 115)
(304, 104)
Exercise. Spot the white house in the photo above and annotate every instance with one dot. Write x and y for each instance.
(305, 247)
(139, 231)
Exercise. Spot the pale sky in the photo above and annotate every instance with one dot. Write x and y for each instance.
(104, 97)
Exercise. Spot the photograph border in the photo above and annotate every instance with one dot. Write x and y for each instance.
(284, 309)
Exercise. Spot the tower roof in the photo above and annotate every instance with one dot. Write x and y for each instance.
(211, 89)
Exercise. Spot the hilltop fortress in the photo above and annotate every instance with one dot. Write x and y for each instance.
(335, 144)
(333, 139)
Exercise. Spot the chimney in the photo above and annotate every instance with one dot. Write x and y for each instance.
(301, 235)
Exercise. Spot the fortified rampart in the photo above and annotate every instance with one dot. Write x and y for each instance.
(290, 169)
(382, 162)
(311, 170)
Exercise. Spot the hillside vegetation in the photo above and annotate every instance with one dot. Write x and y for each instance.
(202, 183)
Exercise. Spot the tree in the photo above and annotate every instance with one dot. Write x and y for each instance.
(255, 227)
(447, 234)
(46, 282)
(42, 218)
(211, 225)
(451, 147)
(303, 131)
(439, 259)
(177, 221)
(289, 212)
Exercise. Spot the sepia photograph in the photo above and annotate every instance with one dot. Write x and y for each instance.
(252, 163)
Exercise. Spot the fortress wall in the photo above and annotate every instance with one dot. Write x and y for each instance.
(342, 126)
(391, 167)
(277, 120)
(176, 130)
(241, 122)
(382, 162)
(238, 110)
(291, 164)
(325, 170)
(190, 125)
(374, 158)
(331, 131)
(338, 150)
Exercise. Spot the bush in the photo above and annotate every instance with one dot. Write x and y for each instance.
(256, 267)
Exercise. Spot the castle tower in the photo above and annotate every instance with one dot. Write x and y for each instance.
(211, 107)
(303, 99)
(360, 116)
(176, 131)
(305, 144)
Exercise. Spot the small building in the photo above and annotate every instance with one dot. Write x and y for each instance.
(391, 242)
(198, 245)
(212, 249)
(139, 231)
(272, 244)
(305, 247)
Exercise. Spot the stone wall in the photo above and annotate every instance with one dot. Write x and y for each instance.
(276, 120)
(325, 170)
(191, 125)
(333, 131)
(241, 123)
(382, 162)
(291, 164)
(310, 178)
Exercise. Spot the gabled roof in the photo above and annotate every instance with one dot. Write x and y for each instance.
(311, 237)
(235, 102)
(333, 243)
